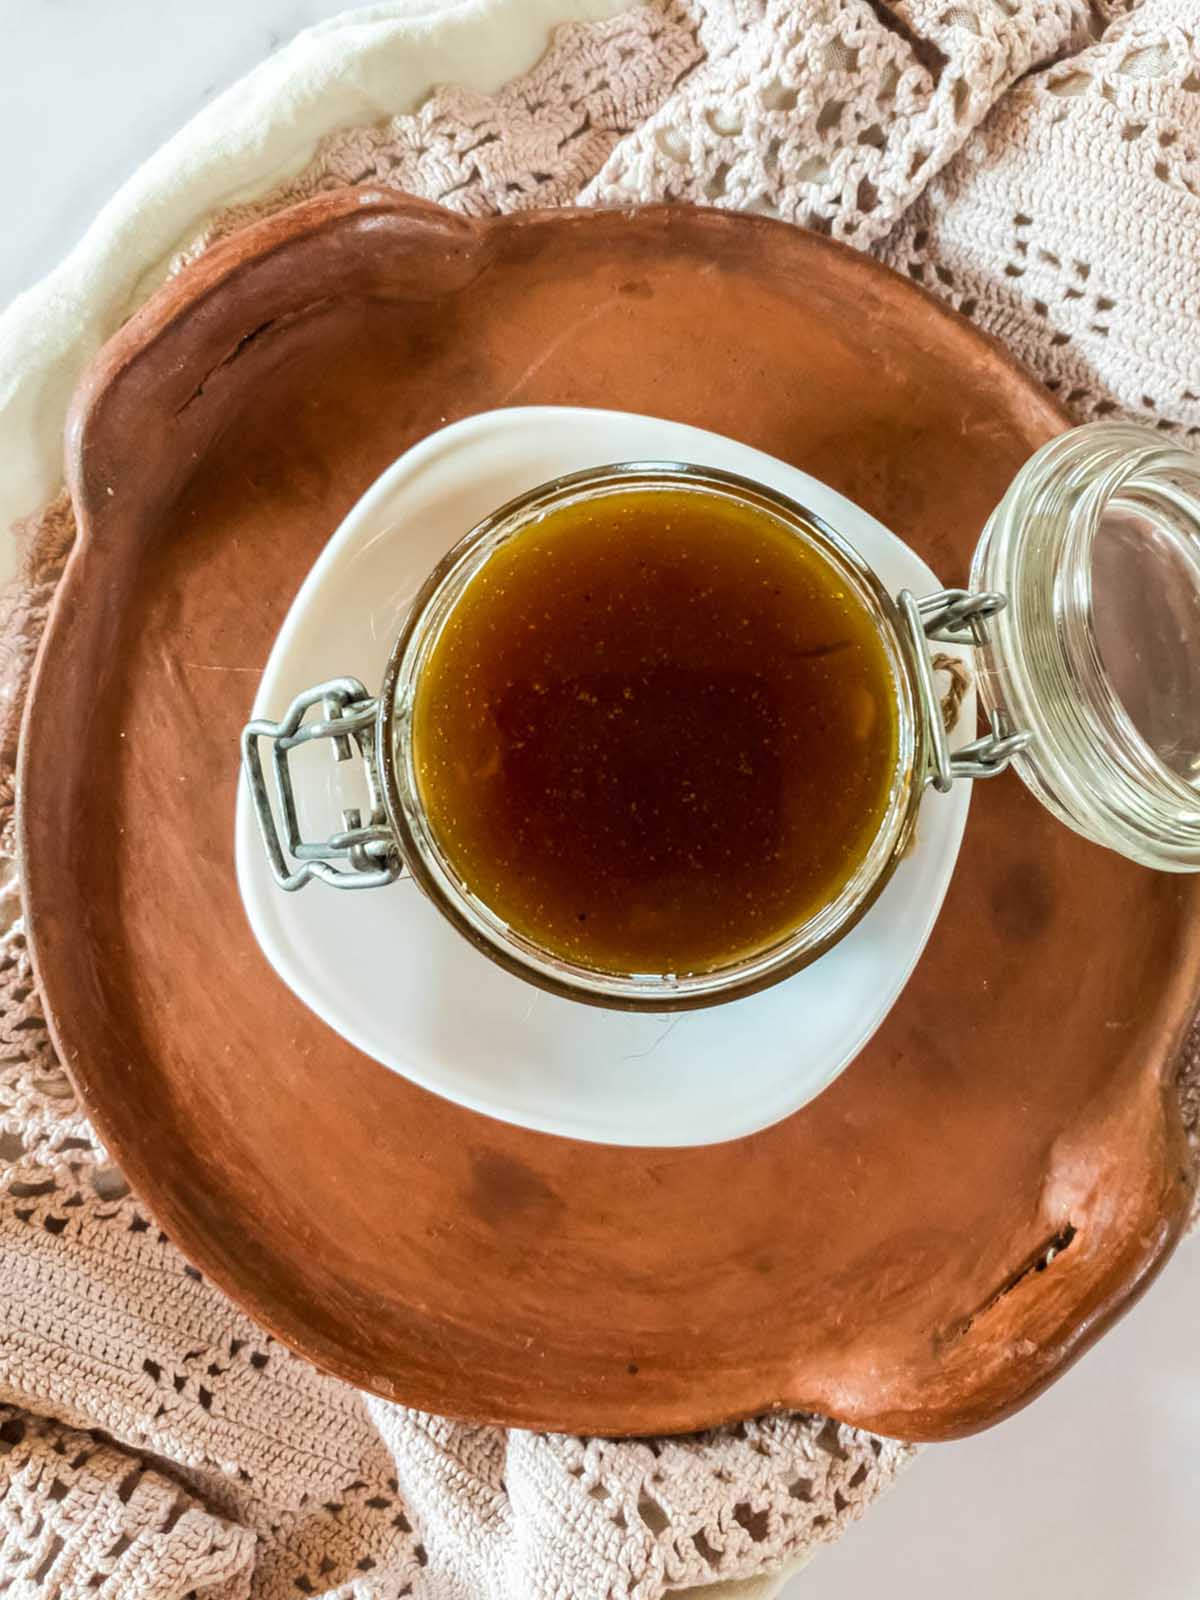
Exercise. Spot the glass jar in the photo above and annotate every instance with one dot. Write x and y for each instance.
(1097, 653)
(1084, 610)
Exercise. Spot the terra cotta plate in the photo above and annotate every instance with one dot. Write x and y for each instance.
(922, 1248)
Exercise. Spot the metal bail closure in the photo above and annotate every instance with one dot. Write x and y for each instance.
(955, 616)
(369, 850)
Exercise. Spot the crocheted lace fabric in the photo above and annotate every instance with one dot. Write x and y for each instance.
(1033, 162)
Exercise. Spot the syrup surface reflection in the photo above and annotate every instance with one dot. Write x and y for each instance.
(656, 732)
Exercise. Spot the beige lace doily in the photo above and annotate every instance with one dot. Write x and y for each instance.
(1035, 163)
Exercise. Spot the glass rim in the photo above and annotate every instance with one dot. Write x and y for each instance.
(489, 932)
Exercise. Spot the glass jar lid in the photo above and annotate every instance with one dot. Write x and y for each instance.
(1097, 653)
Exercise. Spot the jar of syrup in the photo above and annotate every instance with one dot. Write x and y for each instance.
(655, 736)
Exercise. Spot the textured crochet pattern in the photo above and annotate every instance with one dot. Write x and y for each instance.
(153, 1442)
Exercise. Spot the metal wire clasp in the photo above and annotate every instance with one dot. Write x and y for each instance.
(368, 849)
(955, 616)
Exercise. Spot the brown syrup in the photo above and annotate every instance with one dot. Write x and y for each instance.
(657, 732)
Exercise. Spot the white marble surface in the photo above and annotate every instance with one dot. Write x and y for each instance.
(100, 84)
(1092, 1492)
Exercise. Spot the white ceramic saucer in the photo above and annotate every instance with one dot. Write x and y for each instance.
(386, 971)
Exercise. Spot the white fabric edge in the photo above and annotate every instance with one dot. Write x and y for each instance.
(357, 68)
(767, 1586)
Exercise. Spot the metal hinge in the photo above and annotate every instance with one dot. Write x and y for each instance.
(368, 849)
(955, 616)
